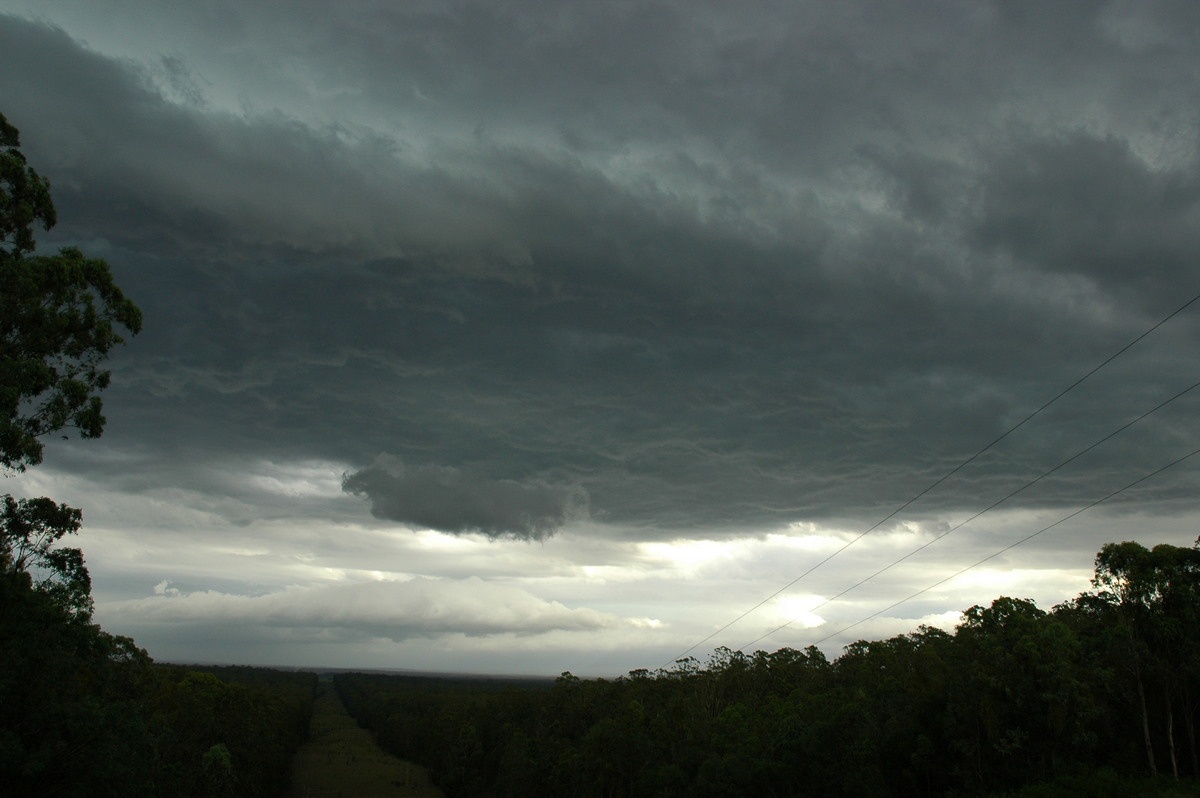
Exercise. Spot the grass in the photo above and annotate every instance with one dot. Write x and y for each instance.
(341, 759)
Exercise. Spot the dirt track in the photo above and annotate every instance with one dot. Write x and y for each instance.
(342, 760)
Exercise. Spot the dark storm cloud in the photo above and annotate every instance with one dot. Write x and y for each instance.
(445, 499)
(1086, 205)
(720, 270)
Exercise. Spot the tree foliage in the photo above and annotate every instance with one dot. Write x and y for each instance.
(1093, 697)
(83, 712)
(60, 317)
(29, 531)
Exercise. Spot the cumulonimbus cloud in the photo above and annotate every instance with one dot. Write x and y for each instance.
(448, 500)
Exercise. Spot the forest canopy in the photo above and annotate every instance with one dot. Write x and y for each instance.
(1098, 696)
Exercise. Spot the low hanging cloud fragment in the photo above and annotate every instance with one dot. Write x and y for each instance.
(447, 500)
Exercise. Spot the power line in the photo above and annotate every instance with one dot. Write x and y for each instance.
(1011, 546)
(990, 507)
(942, 479)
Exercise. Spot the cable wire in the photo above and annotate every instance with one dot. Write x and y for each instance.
(990, 507)
(942, 479)
(1011, 546)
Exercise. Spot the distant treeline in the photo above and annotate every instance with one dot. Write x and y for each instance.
(1096, 697)
(85, 713)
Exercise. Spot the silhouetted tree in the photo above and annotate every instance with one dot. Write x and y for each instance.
(60, 317)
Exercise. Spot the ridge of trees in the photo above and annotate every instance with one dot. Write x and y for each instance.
(1098, 696)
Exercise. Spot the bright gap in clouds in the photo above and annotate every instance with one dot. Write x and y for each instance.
(797, 611)
(303, 585)
(310, 478)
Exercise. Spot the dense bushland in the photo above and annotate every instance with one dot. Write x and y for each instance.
(85, 713)
(1096, 697)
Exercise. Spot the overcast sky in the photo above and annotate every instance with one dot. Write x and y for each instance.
(540, 336)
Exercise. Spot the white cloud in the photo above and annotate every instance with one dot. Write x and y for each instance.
(397, 610)
(163, 589)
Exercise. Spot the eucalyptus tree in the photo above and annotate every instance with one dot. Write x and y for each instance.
(65, 690)
(60, 316)
(1156, 596)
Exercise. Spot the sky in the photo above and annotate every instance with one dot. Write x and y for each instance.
(534, 336)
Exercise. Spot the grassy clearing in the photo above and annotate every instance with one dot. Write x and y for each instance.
(341, 759)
